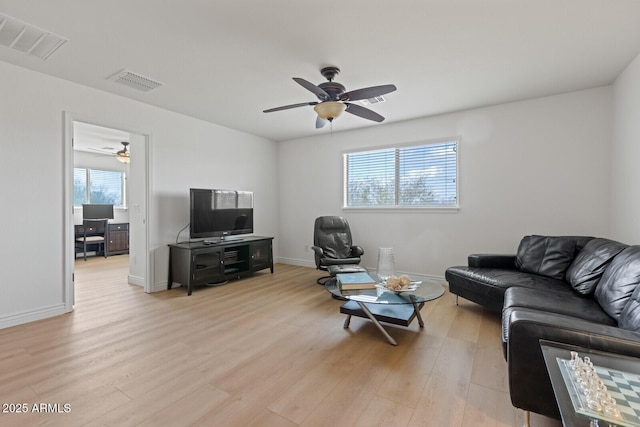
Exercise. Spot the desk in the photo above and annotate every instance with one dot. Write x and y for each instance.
(551, 351)
(116, 238)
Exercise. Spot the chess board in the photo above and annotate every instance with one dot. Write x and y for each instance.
(624, 387)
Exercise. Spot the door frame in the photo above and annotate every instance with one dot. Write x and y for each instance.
(68, 222)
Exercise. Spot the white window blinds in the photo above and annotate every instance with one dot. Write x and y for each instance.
(98, 186)
(413, 176)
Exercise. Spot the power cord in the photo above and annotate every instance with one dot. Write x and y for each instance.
(178, 236)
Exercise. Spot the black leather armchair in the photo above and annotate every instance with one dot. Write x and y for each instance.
(332, 243)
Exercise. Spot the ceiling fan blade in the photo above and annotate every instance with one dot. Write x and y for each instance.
(286, 107)
(365, 113)
(320, 93)
(102, 150)
(367, 92)
(320, 122)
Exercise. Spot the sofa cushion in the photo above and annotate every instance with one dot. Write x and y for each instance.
(619, 281)
(585, 271)
(557, 302)
(546, 255)
(551, 301)
(486, 286)
(630, 317)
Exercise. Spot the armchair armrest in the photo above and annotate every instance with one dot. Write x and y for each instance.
(529, 384)
(318, 250)
(506, 261)
(356, 251)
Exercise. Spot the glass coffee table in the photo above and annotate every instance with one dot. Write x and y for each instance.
(383, 305)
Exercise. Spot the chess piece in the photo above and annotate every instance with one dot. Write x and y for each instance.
(573, 363)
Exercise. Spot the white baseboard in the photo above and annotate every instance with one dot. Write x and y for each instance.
(161, 286)
(430, 277)
(296, 261)
(415, 276)
(31, 315)
(135, 280)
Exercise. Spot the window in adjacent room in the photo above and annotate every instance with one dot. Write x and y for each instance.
(98, 186)
(423, 176)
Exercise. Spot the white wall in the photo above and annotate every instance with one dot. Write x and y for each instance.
(539, 166)
(625, 170)
(185, 152)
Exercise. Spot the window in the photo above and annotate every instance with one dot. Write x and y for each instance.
(98, 186)
(408, 176)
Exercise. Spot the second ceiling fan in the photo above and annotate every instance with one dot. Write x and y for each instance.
(333, 98)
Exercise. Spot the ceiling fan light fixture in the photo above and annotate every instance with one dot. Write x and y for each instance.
(124, 158)
(329, 110)
(124, 155)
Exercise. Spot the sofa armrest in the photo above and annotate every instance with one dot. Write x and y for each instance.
(529, 384)
(507, 262)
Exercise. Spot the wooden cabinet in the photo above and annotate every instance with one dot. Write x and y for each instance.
(197, 263)
(117, 239)
(261, 255)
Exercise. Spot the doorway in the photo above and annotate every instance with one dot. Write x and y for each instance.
(107, 140)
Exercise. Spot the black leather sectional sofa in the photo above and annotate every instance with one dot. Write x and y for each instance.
(569, 289)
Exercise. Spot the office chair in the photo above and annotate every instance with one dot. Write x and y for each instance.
(332, 244)
(94, 232)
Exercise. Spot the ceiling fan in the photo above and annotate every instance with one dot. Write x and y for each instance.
(334, 99)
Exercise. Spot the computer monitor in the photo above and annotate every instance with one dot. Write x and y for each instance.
(97, 211)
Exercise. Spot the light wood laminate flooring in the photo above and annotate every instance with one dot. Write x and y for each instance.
(267, 350)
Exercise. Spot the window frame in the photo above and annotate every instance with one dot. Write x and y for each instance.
(402, 208)
(123, 189)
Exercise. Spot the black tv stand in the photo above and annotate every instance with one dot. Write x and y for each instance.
(209, 262)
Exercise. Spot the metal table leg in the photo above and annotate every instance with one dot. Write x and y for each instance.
(416, 309)
(375, 322)
(347, 321)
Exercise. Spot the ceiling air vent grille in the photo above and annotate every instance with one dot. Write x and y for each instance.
(28, 39)
(375, 100)
(135, 81)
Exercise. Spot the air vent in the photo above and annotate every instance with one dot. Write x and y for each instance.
(376, 100)
(135, 81)
(28, 39)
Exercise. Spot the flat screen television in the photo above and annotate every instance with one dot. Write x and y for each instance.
(219, 213)
(97, 211)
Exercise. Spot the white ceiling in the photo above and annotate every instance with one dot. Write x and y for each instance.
(97, 139)
(226, 61)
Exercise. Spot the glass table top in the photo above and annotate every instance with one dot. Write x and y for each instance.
(552, 351)
(428, 290)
